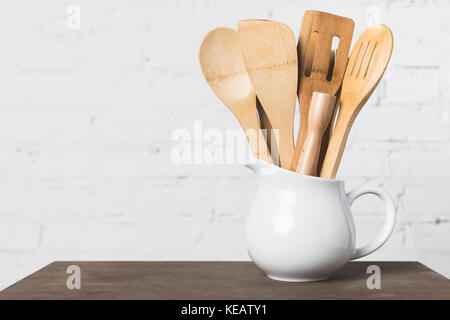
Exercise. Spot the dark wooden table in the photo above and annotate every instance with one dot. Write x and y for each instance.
(224, 280)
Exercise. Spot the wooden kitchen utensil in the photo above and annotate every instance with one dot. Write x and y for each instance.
(270, 56)
(319, 116)
(368, 61)
(265, 125)
(315, 42)
(263, 118)
(224, 69)
(327, 134)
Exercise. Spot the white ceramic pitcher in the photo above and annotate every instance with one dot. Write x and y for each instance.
(300, 228)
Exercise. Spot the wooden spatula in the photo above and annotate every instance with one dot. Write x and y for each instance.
(315, 43)
(263, 118)
(270, 56)
(224, 69)
(319, 117)
(368, 61)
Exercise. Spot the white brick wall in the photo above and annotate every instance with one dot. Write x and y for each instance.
(86, 118)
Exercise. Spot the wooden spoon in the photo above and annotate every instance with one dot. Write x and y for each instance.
(319, 117)
(315, 43)
(368, 61)
(270, 56)
(224, 70)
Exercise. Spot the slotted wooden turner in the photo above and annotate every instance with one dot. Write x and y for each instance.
(368, 61)
(315, 42)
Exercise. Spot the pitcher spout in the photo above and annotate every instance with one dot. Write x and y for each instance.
(260, 167)
(253, 166)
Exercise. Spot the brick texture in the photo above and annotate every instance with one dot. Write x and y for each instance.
(86, 118)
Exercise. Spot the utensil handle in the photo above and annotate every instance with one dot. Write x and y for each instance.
(389, 223)
(336, 146)
(307, 163)
(327, 134)
(304, 101)
(258, 144)
(321, 109)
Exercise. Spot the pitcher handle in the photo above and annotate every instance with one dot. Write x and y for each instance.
(389, 223)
